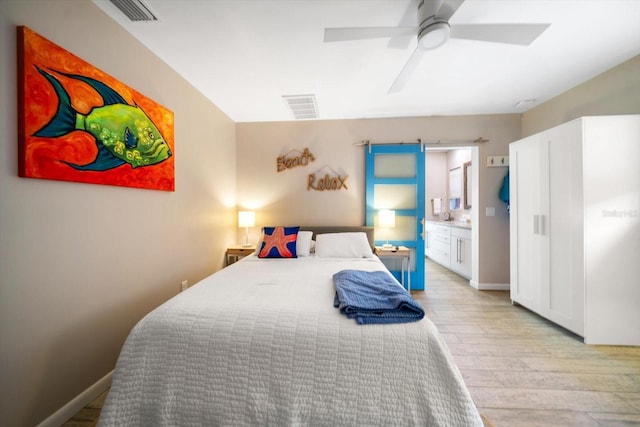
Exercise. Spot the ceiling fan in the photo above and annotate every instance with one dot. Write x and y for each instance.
(433, 30)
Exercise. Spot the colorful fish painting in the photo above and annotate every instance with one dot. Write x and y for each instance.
(77, 123)
(123, 133)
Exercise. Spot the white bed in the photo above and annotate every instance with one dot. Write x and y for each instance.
(260, 343)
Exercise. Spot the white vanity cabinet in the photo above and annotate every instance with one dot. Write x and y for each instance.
(449, 246)
(438, 243)
(575, 227)
(461, 251)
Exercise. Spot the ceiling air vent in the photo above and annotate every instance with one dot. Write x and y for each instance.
(302, 106)
(135, 10)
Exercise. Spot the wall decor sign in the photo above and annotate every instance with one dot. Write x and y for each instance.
(331, 180)
(77, 123)
(294, 158)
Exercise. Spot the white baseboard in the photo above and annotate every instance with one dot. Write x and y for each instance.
(77, 403)
(490, 286)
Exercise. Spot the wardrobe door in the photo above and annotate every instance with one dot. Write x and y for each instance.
(563, 301)
(529, 177)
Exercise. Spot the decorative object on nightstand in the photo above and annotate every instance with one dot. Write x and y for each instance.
(237, 252)
(246, 219)
(387, 220)
(398, 252)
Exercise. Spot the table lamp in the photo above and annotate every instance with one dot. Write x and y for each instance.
(387, 219)
(246, 219)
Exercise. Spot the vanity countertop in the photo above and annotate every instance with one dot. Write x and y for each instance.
(458, 224)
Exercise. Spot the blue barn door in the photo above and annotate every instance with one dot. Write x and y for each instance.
(395, 179)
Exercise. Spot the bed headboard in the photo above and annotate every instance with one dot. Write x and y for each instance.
(368, 230)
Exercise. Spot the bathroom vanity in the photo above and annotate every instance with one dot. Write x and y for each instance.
(449, 244)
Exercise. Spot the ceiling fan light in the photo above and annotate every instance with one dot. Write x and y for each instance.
(435, 35)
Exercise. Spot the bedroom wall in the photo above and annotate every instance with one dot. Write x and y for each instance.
(80, 264)
(616, 91)
(283, 198)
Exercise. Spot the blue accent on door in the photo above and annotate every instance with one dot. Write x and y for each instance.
(417, 243)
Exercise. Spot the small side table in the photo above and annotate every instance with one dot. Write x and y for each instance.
(396, 252)
(237, 252)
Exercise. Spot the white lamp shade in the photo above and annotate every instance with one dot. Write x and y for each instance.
(387, 218)
(246, 219)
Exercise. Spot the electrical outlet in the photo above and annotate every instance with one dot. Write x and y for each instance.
(184, 285)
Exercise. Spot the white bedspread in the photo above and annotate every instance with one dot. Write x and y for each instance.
(260, 343)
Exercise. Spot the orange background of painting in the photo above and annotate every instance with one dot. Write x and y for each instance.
(37, 104)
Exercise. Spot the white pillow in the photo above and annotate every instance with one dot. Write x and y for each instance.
(343, 245)
(303, 244)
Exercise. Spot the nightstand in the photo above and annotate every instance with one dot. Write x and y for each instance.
(237, 252)
(398, 252)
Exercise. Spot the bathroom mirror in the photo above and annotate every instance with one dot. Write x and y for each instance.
(455, 188)
(466, 173)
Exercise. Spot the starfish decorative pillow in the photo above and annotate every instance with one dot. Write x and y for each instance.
(279, 242)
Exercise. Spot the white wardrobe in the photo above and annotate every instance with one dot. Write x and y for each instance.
(575, 227)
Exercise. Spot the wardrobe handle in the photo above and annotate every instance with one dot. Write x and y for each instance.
(536, 227)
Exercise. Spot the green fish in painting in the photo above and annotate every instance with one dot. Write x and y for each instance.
(123, 132)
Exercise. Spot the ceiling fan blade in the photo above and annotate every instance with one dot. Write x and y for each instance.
(448, 8)
(400, 42)
(407, 71)
(362, 33)
(522, 34)
(409, 18)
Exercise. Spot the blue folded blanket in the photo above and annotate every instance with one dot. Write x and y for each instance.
(374, 297)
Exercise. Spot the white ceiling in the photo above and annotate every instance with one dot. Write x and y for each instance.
(244, 55)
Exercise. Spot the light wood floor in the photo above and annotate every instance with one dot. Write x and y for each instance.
(88, 416)
(521, 370)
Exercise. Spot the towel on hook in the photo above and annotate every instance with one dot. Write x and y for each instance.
(437, 206)
(504, 191)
